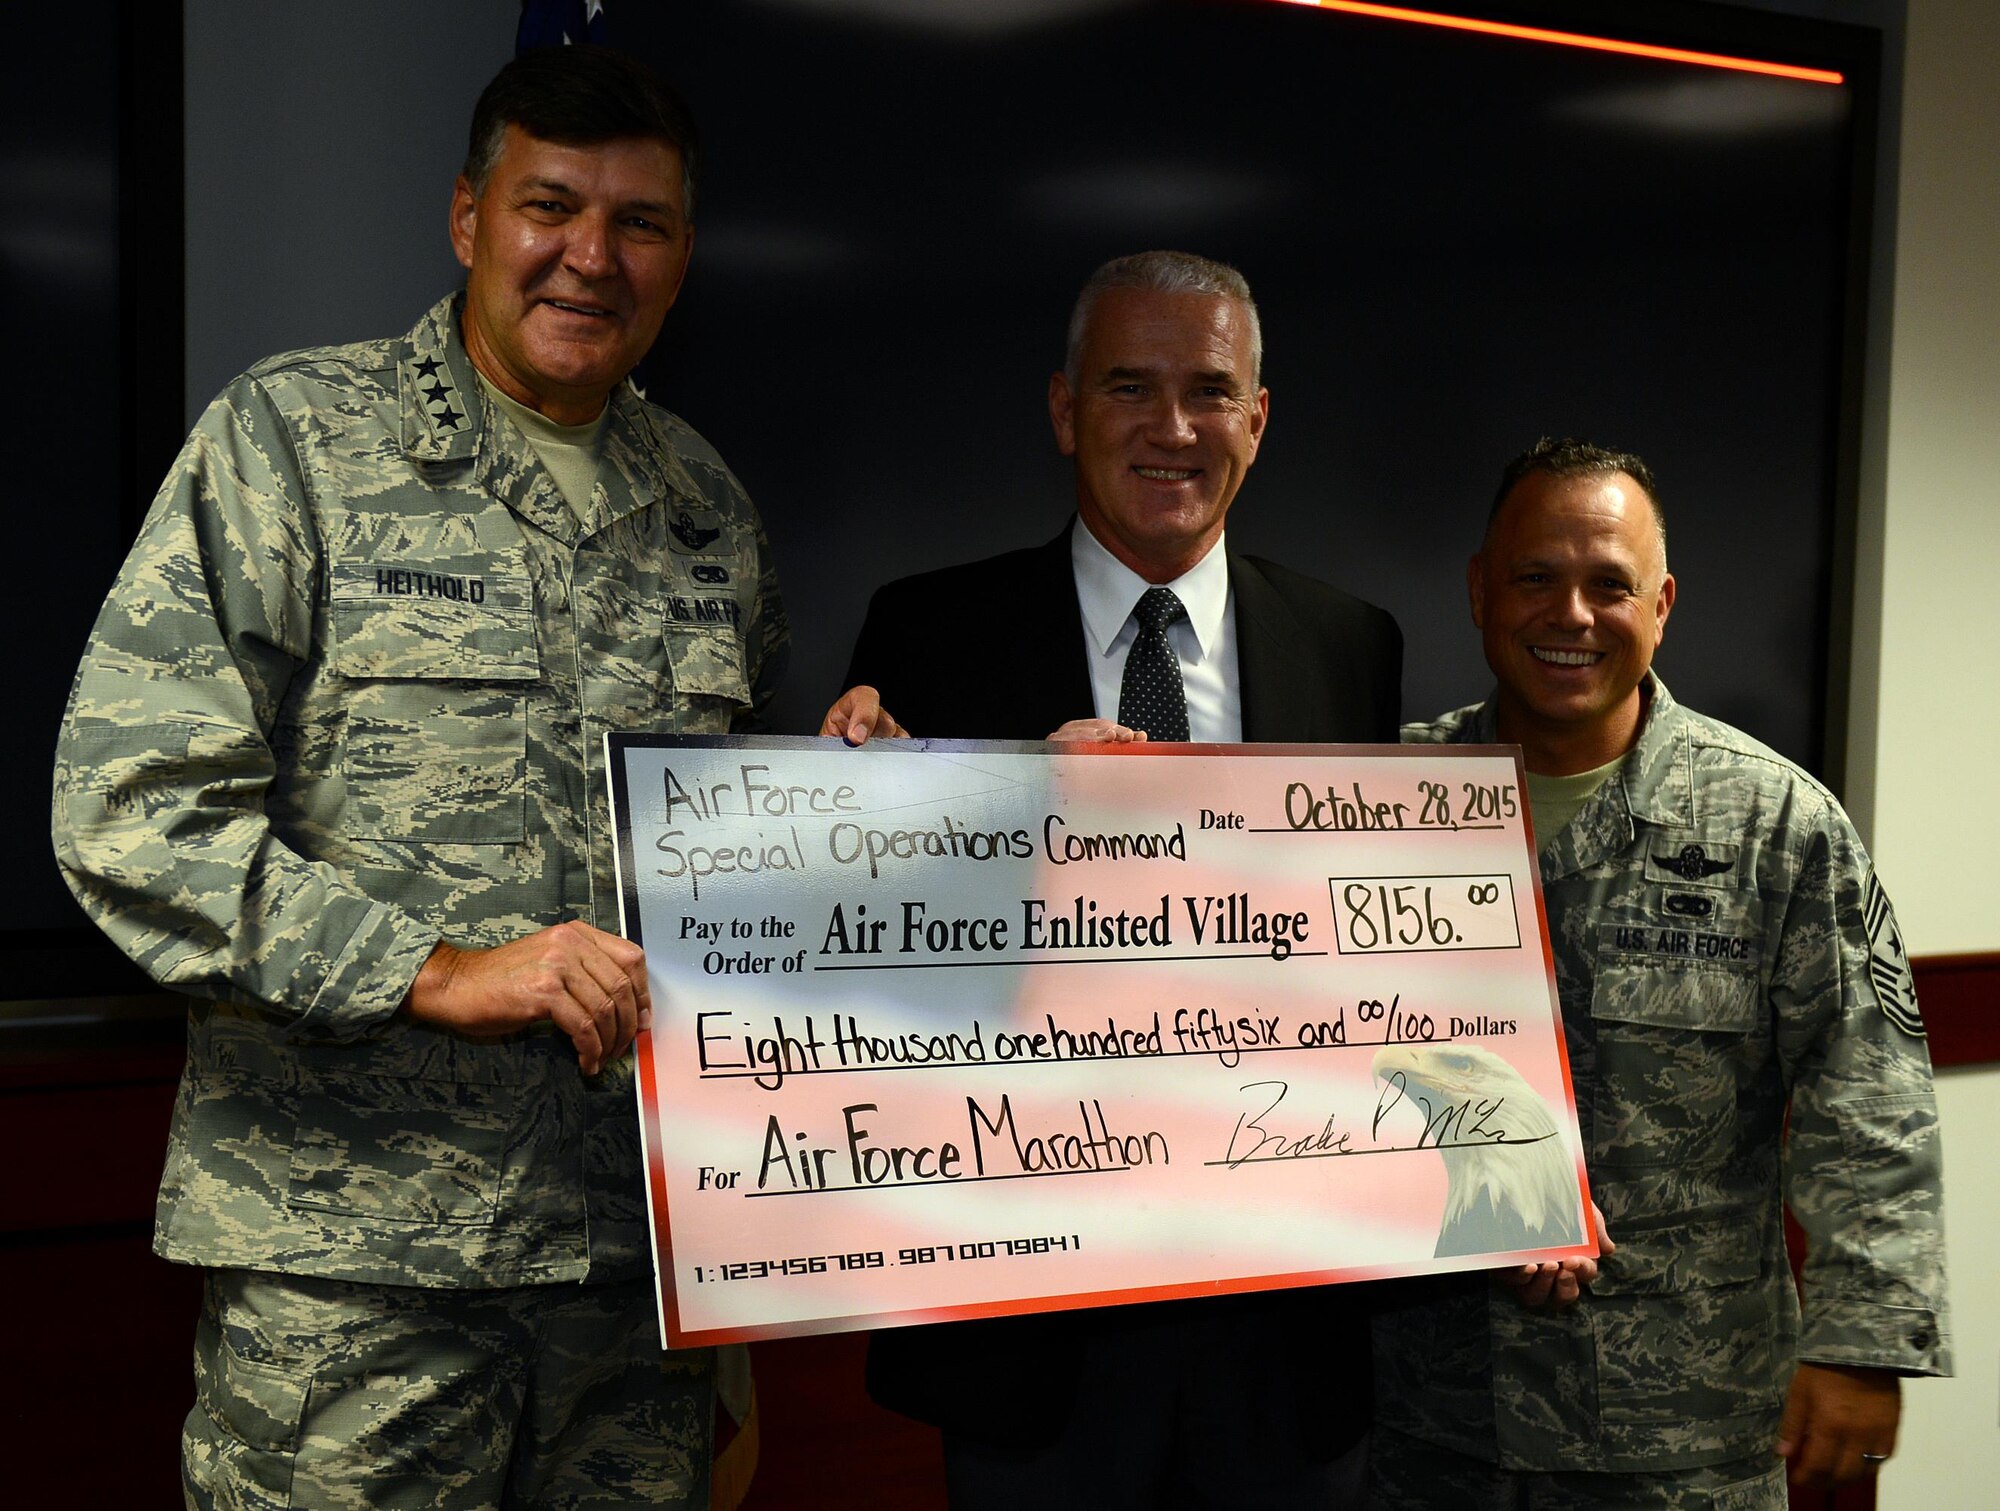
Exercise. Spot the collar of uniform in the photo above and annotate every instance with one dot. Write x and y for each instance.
(508, 468)
(1656, 787)
(1599, 828)
(1659, 776)
(444, 413)
(638, 444)
(638, 450)
(1482, 727)
(446, 418)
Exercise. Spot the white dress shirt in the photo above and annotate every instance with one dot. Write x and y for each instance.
(1204, 642)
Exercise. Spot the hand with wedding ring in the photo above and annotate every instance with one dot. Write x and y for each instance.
(1839, 1424)
(591, 985)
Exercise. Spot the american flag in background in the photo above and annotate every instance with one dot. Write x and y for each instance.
(557, 23)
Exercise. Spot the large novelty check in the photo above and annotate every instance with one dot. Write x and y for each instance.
(949, 1030)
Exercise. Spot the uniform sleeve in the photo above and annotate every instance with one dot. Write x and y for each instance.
(1863, 1160)
(164, 757)
(767, 648)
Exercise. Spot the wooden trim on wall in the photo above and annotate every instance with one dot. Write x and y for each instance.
(1960, 999)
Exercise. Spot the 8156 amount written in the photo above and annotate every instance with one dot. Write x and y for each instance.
(1384, 915)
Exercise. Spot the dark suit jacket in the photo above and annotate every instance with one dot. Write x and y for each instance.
(995, 650)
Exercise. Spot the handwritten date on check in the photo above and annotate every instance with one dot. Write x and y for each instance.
(946, 1029)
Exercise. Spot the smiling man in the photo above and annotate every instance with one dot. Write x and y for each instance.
(1742, 1033)
(1571, 593)
(1139, 611)
(574, 253)
(333, 766)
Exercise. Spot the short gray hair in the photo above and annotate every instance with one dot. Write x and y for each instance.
(1163, 273)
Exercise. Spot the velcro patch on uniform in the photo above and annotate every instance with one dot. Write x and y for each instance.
(1675, 941)
(447, 585)
(684, 609)
(693, 531)
(1688, 904)
(1888, 962)
(430, 620)
(404, 582)
(1689, 861)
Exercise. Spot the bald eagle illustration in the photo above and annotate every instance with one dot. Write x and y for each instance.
(1509, 1180)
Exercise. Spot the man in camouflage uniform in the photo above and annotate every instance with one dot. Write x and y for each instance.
(333, 764)
(1723, 953)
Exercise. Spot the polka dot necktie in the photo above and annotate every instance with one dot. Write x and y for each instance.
(1151, 697)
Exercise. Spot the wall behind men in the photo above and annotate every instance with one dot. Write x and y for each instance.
(322, 140)
(1937, 725)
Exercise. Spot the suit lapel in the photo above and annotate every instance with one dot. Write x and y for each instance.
(1051, 652)
(1277, 665)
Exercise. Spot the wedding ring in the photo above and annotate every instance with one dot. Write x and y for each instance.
(1874, 1458)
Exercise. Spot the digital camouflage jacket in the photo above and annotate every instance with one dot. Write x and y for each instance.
(1723, 953)
(348, 696)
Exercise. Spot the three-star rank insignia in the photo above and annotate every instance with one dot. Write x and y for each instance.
(434, 383)
(1888, 963)
(1691, 863)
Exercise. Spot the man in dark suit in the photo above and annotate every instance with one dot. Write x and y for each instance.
(1140, 612)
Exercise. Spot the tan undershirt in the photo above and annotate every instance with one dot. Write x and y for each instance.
(570, 452)
(1554, 800)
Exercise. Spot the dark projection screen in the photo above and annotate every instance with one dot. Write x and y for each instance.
(1458, 243)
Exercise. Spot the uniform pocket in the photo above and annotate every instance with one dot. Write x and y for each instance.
(1694, 1363)
(1878, 1134)
(1761, 1492)
(240, 1444)
(116, 788)
(258, 1404)
(401, 1150)
(117, 773)
(436, 762)
(431, 622)
(1890, 1167)
(434, 748)
(1683, 1257)
(1685, 1326)
(1668, 1036)
(707, 663)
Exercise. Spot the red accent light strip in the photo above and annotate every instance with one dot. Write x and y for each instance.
(1957, 994)
(1576, 39)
